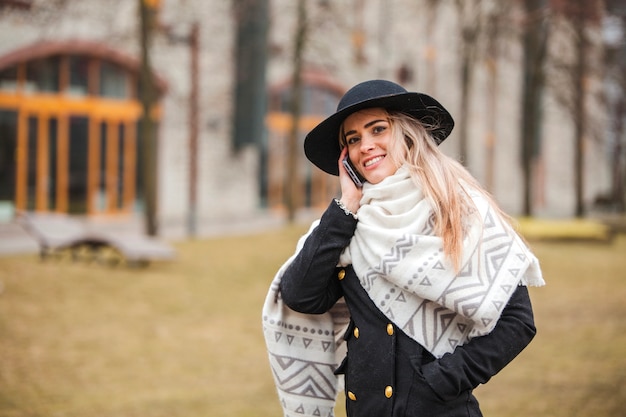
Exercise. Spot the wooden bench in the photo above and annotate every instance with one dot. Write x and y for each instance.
(60, 234)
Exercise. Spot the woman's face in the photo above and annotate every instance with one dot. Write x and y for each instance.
(368, 135)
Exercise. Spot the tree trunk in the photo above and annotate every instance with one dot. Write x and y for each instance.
(293, 181)
(469, 13)
(580, 124)
(535, 40)
(580, 115)
(147, 131)
(194, 109)
(492, 110)
(466, 79)
(619, 173)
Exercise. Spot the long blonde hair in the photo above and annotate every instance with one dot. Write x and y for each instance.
(442, 179)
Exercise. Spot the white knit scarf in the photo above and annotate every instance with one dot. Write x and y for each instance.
(401, 264)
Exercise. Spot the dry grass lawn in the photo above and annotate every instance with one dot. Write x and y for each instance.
(184, 339)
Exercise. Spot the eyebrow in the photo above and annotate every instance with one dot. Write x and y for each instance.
(368, 124)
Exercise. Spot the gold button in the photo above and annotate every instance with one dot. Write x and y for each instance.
(341, 274)
(388, 391)
(356, 332)
(351, 396)
(390, 329)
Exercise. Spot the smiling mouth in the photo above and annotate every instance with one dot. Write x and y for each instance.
(373, 161)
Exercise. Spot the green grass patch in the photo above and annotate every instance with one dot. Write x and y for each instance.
(184, 338)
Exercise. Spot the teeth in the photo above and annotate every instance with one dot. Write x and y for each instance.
(373, 161)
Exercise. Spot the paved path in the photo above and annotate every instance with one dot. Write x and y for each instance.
(14, 239)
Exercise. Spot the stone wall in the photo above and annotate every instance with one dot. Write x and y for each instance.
(398, 35)
(351, 40)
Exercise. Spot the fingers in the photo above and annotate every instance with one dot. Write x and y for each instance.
(342, 155)
(350, 193)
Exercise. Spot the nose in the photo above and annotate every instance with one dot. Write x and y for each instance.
(367, 143)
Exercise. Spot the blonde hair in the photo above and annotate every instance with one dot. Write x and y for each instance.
(443, 181)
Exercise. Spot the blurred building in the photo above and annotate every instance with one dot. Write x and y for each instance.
(69, 106)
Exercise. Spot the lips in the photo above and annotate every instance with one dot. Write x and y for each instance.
(374, 160)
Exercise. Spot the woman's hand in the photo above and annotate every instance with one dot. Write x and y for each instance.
(350, 193)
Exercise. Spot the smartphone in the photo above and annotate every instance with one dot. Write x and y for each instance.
(356, 178)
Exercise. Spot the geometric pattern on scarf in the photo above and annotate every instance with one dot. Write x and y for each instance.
(401, 265)
(304, 351)
(465, 307)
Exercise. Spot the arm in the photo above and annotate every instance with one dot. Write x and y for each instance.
(482, 357)
(310, 283)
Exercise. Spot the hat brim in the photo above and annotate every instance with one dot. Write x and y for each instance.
(321, 145)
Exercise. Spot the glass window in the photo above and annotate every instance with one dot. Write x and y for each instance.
(79, 128)
(139, 177)
(315, 100)
(102, 197)
(8, 79)
(57, 161)
(31, 164)
(8, 145)
(327, 101)
(43, 74)
(113, 81)
(79, 75)
(284, 100)
(52, 163)
(120, 167)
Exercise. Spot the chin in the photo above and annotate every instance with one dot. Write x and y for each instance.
(376, 177)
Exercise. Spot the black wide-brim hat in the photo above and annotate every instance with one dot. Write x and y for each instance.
(321, 145)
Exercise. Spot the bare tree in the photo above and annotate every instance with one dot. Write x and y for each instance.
(299, 45)
(469, 12)
(430, 10)
(535, 31)
(481, 31)
(580, 17)
(147, 131)
(495, 30)
(615, 97)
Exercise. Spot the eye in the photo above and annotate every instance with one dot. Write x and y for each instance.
(352, 140)
(379, 129)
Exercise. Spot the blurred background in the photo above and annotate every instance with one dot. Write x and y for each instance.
(184, 120)
(187, 116)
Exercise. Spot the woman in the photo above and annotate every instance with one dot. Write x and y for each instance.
(417, 273)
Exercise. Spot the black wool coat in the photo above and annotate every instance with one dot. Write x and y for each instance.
(386, 372)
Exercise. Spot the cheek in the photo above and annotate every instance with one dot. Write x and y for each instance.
(354, 154)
